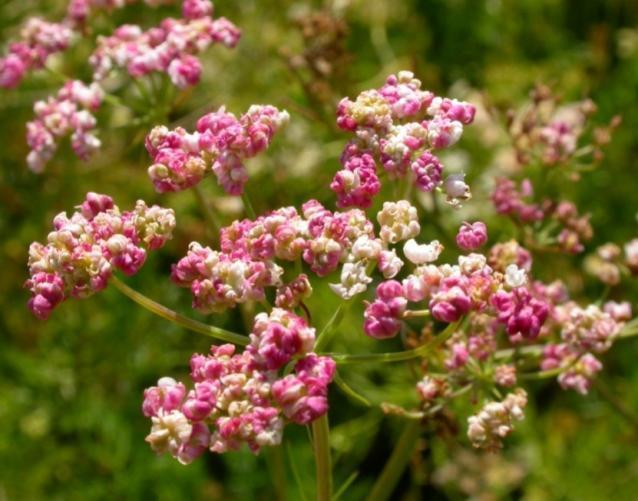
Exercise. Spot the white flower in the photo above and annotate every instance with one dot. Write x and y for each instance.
(366, 248)
(353, 280)
(389, 263)
(422, 253)
(472, 263)
(515, 276)
(456, 189)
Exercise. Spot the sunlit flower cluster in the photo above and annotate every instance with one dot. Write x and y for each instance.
(38, 40)
(396, 126)
(220, 145)
(69, 113)
(83, 250)
(170, 47)
(242, 398)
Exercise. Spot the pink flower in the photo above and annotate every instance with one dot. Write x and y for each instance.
(167, 396)
(471, 236)
(195, 9)
(278, 337)
(357, 184)
(185, 71)
(451, 301)
(48, 292)
(383, 316)
(521, 313)
(304, 396)
(12, 70)
(427, 170)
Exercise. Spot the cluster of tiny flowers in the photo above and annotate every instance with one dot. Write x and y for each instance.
(583, 331)
(452, 291)
(550, 134)
(247, 261)
(508, 199)
(471, 236)
(79, 11)
(396, 126)
(168, 48)
(84, 249)
(70, 112)
(38, 40)
(221, 144)
(242, 398)
(495, 420)
(609, 262)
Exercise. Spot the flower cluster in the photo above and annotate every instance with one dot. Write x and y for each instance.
(84, 249)
(516, 203)
(454, 291)
(79, 11)
(550, 134)
(397, 126)
(38, 40)
(221, 144)
(246, 263)
(496, 420)
(70, 112)
(242, 398)
(583, 331)
(168, 48)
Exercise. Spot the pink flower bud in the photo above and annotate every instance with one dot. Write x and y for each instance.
(471, 236)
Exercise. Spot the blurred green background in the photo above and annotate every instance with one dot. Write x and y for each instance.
(70, 388)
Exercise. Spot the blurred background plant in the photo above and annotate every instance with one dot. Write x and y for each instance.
(70, 389)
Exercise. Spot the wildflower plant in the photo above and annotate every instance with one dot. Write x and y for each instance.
(470, 310)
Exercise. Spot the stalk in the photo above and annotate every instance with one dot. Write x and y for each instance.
(250, 211)
(326, 333)
(321, 442)
(208, 213)
(177, 318)
(397, 356)
(392, 471)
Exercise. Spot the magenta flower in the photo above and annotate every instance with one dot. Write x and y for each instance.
(471, 236)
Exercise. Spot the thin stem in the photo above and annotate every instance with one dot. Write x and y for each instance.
(616, 403)
(208, 213)
(248, 205)
(177, 318)
(344, 487)
(295, 473)
(321, 441)
(277, 467)
(330, 328)
(348, 390)
(115, 101)
(392, 471)
(416, 313)
(630, 329)
(397, 356)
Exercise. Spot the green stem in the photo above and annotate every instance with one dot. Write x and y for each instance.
(346, 389)
(208, 213)
(321, 441)
(248, 205)
(392, 471)
(630, 329)
(177, 318)
(397, 356)
(616, 403)
(330, 328)
(277, 467)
